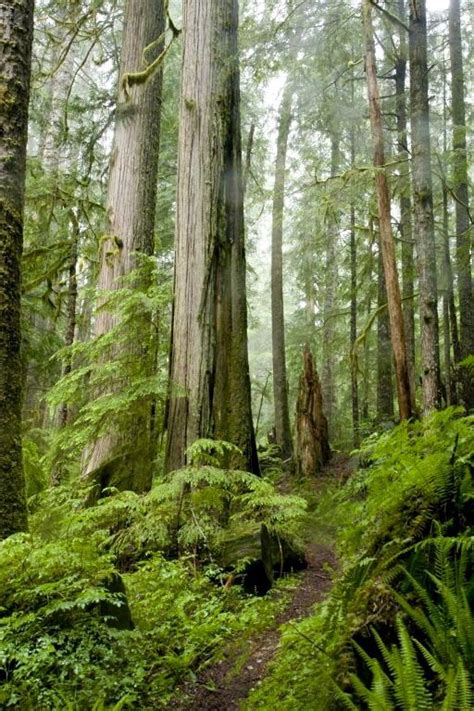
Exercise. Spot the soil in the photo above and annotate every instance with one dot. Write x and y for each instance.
(223, 686)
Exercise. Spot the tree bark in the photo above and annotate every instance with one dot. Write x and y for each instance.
(406, 232)
(280, 383)
(423, 204)
(461, 191)
(385, 409)
(16, 31)
(387, 245)
(124, 459)
(312, 448)
(210, 382)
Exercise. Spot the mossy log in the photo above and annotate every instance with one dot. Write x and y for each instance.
(268, 556)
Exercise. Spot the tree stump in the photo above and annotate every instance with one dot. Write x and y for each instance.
(312, 442)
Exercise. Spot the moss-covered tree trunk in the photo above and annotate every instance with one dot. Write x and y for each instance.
(210, 382)
(460, 183)
(123, 458)
(280, 383)
(423, 204)
(16, 33)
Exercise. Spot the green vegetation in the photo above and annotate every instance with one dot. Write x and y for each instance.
(236, 355)
(397, 631)
(64, 637)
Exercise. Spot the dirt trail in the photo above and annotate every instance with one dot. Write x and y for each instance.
(226, 684)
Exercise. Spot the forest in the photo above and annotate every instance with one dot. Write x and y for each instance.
(236, 355)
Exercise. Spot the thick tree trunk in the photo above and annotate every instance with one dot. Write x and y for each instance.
(330, 290)
(423, 204)
(16, 31)
(210, 382)
(460, 182)
(123, 459)
(312, 449)
(385, 410)
(280, 384)
(387, 244)
(406, 232)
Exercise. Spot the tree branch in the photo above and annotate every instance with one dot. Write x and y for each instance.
(393, 18)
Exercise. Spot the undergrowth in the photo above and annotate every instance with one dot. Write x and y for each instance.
(397, 630)
(112, 606)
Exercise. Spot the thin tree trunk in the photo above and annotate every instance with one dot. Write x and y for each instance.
(123, 459)
(448, 307)
(370, 272)
(210, 382)
(353, 334)
(406, 232)
(16, 30)
(248, 158)
(387, 245)
(330, 290)
(450, 323)
(280, 384)
(423, 204)
(71, 314)
(461, 191)
(385, 410)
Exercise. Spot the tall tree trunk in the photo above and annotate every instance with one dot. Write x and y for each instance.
(385, 409)
(16, 30)
(448, 309)
(461, 191)
(280, 384)
(367, 364)
(123, 459)
(423, 204)
(210, 382)
(406, 232)
(248, 158)
(330, 290)
(71, 306)
(353, 334)
(387, 244)
(450, 322)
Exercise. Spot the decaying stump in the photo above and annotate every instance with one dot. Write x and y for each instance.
(312, 448)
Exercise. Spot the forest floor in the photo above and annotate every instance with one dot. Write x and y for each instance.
(226, 684)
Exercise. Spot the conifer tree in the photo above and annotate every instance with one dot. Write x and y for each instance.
(124, 458)
(423, 204)
(460, 184)
(16, 32)
(210, 382)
